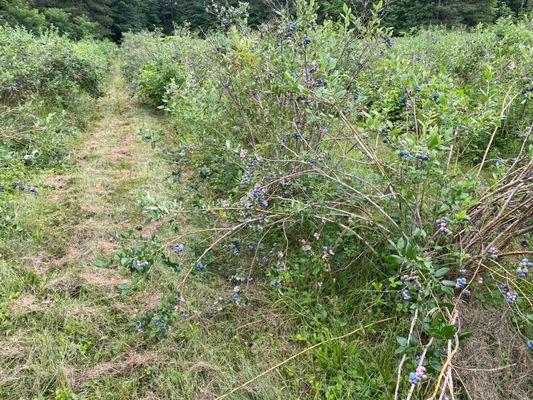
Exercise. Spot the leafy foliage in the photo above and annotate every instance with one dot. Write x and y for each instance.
(54, 80)
(112, 18)
(333, 157)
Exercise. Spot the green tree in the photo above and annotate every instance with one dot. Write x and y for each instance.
(19, 12)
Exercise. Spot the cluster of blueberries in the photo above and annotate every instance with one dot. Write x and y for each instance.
(179, 248)
(284, 140)
(251, 166)
(258, 195)
(416, 376)
(418, 156)
(313, 70)
(461, 283)
(139, 266)
(510, 295)
(237, 295)
(523, 269)
(405, 291)
(21, 187)
(288, 188)
(442, 225)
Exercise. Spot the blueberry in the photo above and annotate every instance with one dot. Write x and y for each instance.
(200, 266)
(405, 153)
(413, 378)
(418, 88)
(17, 185)
(307, 41)
(511, 296)
(178, 248)
(460, 283)
(320, 82)
(466, 295)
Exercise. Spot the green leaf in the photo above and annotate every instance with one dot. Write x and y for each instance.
(402, 341)
(448, 331)
(394, 260)
(465, 335)
(443, 331)
(411, 251)
(448, 283)
(441, 272)
(100, 264)
(400, 244)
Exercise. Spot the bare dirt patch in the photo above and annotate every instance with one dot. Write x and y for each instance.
(26, 303)
(120, 366)
(102, 278)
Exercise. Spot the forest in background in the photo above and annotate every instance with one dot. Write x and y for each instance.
(110, 18)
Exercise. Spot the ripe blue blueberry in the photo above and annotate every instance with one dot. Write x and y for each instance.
(178, 248)
(200, 266)
(320, 82)
(511, 297)
(414, 379)
(307, 41)
(460, 283)
(236, 298)
(405, 153)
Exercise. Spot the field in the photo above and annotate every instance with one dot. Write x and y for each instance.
(298, 210)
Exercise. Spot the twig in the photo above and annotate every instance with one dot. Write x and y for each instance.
(404, 356)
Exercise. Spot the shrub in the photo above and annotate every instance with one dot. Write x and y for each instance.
(46, 83)
(325, 152)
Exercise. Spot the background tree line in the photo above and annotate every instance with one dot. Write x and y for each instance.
(109, 18)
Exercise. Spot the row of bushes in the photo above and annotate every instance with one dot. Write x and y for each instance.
(47, 83)
(334, 158)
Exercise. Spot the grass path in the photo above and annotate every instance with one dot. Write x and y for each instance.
(64, 323)
(62, 317)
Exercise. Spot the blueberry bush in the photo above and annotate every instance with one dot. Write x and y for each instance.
(47, 84)
(361, 176)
